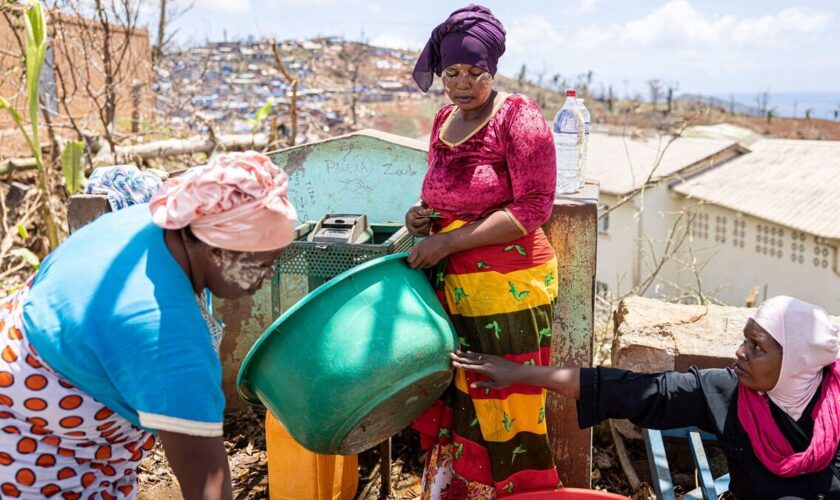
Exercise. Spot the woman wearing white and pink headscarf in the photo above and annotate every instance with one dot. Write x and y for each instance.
(110, 345)
(776, 412)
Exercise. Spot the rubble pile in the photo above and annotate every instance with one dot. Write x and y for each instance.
(221, 86)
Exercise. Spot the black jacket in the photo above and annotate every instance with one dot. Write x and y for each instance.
(707, 399)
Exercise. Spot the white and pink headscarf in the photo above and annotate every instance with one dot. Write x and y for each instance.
(809, 344)
(809, 348)
(236, 202)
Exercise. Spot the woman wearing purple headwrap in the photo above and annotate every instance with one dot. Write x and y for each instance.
(488, 189)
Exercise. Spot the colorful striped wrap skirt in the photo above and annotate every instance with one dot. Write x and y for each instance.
(485, 443)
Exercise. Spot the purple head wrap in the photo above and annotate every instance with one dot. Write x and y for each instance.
(471, 35)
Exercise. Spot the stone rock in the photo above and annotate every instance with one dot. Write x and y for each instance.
(17, 192)
(654, 336)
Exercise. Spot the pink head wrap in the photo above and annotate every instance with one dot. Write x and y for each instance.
(809, 343)
(236, 202)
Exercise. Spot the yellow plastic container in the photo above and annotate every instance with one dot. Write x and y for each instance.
(295, 473)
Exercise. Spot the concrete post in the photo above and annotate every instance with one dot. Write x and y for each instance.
(573, 232)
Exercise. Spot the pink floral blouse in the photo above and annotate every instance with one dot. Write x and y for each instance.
(509, 164)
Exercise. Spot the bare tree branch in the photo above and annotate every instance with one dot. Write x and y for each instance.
(649, 181)
(293, 82)
(168, 13)
(353, 54)
(671, 247)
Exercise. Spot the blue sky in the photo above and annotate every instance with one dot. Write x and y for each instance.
(708, 46)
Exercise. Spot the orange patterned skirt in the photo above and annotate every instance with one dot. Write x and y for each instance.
(55, 440)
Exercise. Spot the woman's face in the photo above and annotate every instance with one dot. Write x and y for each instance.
(467, 86)
(759, 359)
(232, 275)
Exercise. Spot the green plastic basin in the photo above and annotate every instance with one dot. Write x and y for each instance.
(356, 360)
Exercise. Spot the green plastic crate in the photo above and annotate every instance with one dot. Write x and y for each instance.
(306, 265)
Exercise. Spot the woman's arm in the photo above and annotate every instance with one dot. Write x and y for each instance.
(200, 464)
(532, 165)
(496, 229)
(501, 373)
(654, 400)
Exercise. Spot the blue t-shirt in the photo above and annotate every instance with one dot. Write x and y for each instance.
(112, 312)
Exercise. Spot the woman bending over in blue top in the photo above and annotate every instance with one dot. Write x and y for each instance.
(109, 344)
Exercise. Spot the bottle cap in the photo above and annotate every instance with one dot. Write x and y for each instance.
(570, 93)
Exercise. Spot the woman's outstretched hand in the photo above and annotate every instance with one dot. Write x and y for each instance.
(500, 371)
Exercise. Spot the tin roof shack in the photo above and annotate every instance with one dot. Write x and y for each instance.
(734, 221)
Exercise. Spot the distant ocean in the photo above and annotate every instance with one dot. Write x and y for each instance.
(791, 104)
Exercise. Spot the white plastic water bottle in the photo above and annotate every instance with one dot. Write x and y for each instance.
(587, 122)
(569, 133)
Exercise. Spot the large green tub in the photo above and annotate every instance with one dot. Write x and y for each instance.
(356, 360)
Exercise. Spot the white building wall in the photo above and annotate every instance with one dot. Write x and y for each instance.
(663, 221)
(725, 254)
(738, 252)
(629, 253)
(616, 248)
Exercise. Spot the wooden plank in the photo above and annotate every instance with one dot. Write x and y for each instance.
(385, 468)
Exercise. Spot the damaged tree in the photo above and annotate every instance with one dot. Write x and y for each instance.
(293, 84)
(140, 153)
(169, 12)
(101, 38)
(353, 55)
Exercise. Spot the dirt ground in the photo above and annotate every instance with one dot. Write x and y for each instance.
(246, 445)
(245, 441)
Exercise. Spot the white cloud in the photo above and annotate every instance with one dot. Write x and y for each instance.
(312, 3)
(374, 8)
(681, 40)
(148, 9)
(233, 6)
(678, 23)
(587, 6)
(533, 34)
(593, 35)
(675, 26)
(392, 41)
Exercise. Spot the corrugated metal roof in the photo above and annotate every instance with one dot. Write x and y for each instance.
(741, 135)
(623, 163)
(792, 183)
